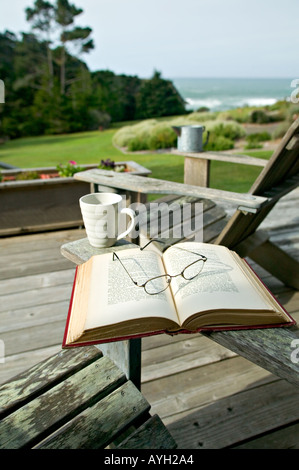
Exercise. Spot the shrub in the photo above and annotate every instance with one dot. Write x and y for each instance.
(280, 130)
(258, 137)
(253, 115)
(138, 143)
(69, 169)
(253, 144)
(219, 142)
(151, 134)
(259, 116)
(28, 175)
(202, 116)
(123, 136)
(254, 140)
(98, 119)
(229, 129)
(162, 136)
(240, 115)
(292, 112)
(203, 109)
(146, 135)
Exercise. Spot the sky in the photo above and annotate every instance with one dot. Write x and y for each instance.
(184, 38)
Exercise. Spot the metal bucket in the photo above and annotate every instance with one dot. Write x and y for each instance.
(190, 138)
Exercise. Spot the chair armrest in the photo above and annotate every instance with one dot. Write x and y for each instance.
(224, 157)
(145, 185)
(269, 348)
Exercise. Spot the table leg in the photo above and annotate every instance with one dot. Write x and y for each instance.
(127, 356)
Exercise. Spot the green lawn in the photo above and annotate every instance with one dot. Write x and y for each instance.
(92, 147)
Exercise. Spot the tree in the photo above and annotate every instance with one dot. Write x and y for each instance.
(49, 89)
(8, 42)
(31, 78)
(158, 97)
(42, 17)
(60, 79)
(7, 51)
(115, 94)
(65, 14)
(47, 19)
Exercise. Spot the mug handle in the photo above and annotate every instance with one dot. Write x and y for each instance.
(131, 213)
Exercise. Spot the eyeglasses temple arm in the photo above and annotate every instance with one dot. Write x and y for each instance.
(204, 258)
(156, 240)
(113, 258)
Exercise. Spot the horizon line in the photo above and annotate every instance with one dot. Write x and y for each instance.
(231, 77)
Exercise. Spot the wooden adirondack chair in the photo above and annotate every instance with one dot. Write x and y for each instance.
(269, 348)
(279, 176)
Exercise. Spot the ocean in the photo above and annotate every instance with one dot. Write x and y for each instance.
(220, 94)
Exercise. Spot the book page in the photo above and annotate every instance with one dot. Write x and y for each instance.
(220, 285)
(114, 298)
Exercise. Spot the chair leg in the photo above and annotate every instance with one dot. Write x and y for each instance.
(277, 262)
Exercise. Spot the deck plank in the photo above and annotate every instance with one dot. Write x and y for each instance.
(229, 420)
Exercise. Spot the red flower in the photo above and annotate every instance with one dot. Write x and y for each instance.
(9, 178)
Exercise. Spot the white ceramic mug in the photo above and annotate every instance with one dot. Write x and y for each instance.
(101, 216)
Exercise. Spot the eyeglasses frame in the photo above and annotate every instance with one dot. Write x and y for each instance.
(202, 258)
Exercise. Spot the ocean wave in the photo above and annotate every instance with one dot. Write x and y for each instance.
(218, 104)
(198, 103)
(258, 101)
(221, 94)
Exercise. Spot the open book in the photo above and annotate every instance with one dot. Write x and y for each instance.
(106, 305)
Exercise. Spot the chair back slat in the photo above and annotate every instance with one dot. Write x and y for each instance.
(283, 164)
(276, 179)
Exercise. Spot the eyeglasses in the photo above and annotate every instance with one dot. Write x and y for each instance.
(158, 284)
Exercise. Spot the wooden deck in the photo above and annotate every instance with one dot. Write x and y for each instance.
(206, 395)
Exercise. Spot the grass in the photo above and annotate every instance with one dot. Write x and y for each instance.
(85, 147)
(92, 147)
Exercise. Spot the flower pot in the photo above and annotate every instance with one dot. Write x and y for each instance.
(46, 203)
